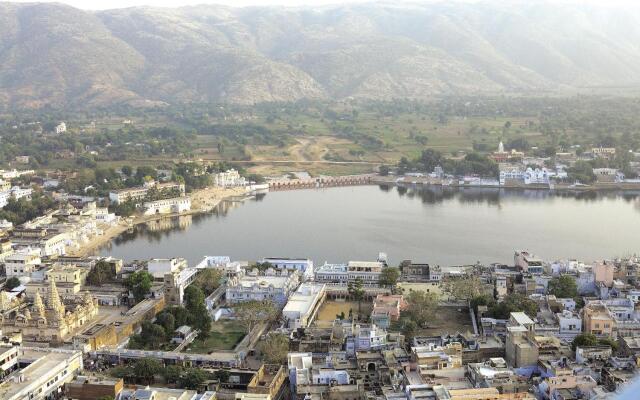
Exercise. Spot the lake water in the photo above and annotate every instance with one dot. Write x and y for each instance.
(433, 225)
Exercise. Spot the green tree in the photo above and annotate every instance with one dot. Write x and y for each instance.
(513, 303)
(409, 327)
(582, 171)
(12, 283)
(356, 291)
(100, 274)
(563, 286)
(181, 315)
(274, 348)
(193, 298)
(126, 170)
(172, 373)
(167, 321)
(607, 341)
(140, 284)
(195, 305)
(208, 280)
(146, 368)
(421, 307)
(152, 335)
(389, 277)
(584, 339)
(384, 170)
(193, 378)
(221, 375)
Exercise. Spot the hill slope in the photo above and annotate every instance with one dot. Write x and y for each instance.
(56, 55)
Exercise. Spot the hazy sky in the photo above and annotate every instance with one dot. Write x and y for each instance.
(107, 4)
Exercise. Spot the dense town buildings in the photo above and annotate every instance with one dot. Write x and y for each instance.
(343, 344)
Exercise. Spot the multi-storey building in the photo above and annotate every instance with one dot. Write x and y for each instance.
(341, 274)
(167, 206)
(45, 373)
(140, 192)
(303, 265)
(229, 178)
(21, 264)
(265, 287)
(303, 305)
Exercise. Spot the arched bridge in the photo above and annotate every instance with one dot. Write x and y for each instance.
(323, 181)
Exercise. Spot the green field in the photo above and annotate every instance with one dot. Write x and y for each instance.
(225, 335)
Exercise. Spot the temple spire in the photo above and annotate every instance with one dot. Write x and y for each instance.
(38, 305)
(54, 302)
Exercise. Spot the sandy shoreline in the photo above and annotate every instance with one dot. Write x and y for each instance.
(203, 200)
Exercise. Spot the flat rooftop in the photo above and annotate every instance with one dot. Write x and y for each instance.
(303, 299)
(43, 364)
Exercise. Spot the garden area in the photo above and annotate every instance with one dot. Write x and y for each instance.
(224, 335)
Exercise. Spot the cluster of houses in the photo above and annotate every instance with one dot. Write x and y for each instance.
(521, 355)
(518, 170)
(55, 233)
(8, 191)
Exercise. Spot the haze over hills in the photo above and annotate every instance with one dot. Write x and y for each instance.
(52, 54)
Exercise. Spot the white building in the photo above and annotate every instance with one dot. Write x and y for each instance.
(538, 176)
(175, 205)
(326, 376)
(140, 192)
(158, 267)
(570, 324)
(8, 359)
(275, 288)
(44, 376)
(223, 263)
(363, 337)
(303, 305)
(302, 265)
(511, 173)
(300, 365)
(14, 173)
(61, 128)
(229, 178)
(103, 216)
(15, 192)
(21, 264)
(341, 274)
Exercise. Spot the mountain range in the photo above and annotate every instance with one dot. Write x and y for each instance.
(56, 55)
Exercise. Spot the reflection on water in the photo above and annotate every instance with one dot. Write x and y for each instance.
(163, 228)
(493, 196)
(440, 225)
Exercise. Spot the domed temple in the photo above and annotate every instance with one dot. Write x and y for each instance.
(51, 321)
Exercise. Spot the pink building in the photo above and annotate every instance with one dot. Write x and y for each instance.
(603, 273)
(387, 308)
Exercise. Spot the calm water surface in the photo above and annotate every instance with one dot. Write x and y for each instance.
(438, 226)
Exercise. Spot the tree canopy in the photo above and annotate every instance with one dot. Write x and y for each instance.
(140, 284)
(251, 313)
(563, 286)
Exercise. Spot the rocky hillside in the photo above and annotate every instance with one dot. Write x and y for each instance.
(51, 54)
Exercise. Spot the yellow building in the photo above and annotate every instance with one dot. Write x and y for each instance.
(597, 320)
(437, 357)
(486, 394)
(66, 273)
(51, 322)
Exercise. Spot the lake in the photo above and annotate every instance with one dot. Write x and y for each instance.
(444, 226)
